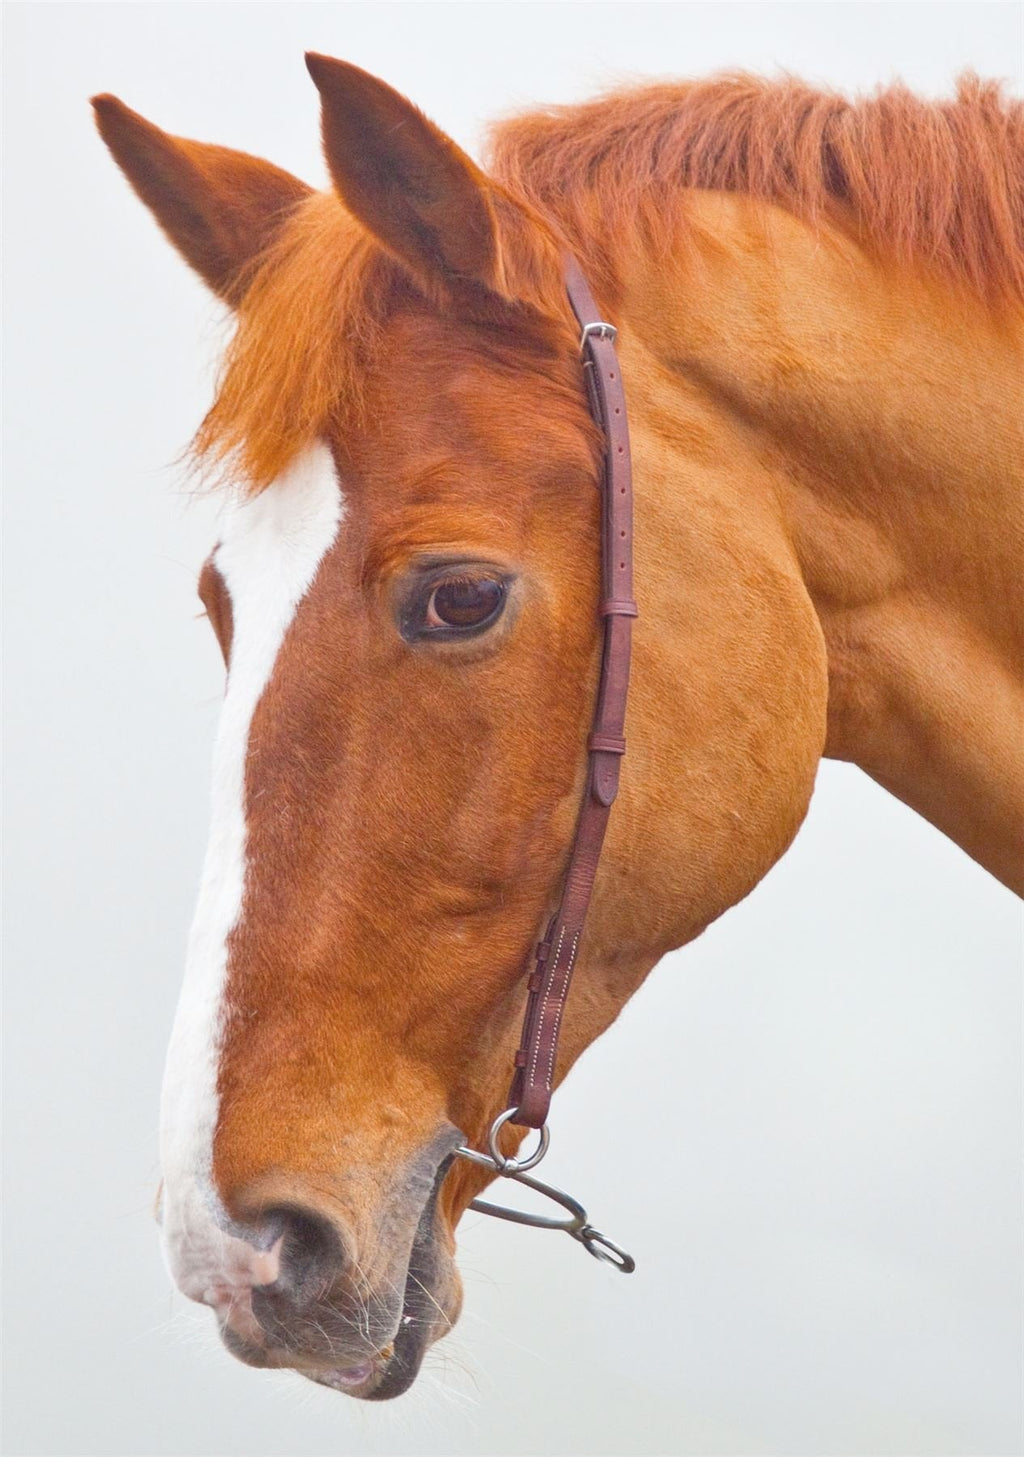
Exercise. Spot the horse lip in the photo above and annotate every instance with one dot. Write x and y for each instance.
(399, 1372)
(417, 1327)
(398, 1365)
(385, 1374)
(345, 1378)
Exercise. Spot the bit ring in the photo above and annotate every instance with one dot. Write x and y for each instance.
(509, 1166)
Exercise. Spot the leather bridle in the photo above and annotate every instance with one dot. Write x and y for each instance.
(555, 958)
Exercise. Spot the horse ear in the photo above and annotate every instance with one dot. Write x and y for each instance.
(219, 208)
(404, 179)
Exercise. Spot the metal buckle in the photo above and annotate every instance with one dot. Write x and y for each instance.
(597, 330)
(577, 1225)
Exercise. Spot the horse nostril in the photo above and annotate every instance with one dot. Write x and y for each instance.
(311, 1256)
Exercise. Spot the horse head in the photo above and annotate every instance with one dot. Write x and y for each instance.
(405, 592)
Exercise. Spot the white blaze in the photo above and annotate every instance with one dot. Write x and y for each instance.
(271, 546)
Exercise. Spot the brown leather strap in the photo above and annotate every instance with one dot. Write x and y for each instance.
(548, 985)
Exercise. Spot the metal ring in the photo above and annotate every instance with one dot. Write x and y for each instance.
(602, 1248)
(514, 1165)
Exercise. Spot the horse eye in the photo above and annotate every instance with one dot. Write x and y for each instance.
(447, 607)
(461, 603)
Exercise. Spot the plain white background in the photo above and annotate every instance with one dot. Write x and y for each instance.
(814, 1143)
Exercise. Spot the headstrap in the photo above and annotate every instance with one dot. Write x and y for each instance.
(548, 985)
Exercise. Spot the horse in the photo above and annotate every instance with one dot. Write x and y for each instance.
(820, 314)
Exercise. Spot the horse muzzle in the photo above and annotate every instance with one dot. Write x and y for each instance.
(293, 1285)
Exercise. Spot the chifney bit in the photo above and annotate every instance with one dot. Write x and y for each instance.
(548, 985)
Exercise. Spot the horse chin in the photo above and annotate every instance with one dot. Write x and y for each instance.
(386, 1375)
(428, 1313)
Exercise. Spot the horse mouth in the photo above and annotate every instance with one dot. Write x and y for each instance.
(391, 1371)
(384, 1374)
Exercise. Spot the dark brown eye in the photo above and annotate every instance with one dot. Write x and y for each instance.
(464, 602)
(457, 604)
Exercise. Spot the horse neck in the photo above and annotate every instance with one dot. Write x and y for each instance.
(879, 411)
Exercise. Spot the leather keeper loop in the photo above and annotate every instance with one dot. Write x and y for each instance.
(619, 607)
(606, 744)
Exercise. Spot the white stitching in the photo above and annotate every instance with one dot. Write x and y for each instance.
(561, 1005)
(544, 1002)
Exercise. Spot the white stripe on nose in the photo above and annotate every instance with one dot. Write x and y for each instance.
(271, 546)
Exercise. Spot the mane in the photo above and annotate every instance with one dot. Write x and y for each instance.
(313, 307)
(937, 183)
(311, 325)
(940, 183)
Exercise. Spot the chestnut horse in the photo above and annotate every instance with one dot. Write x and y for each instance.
(821, 311)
